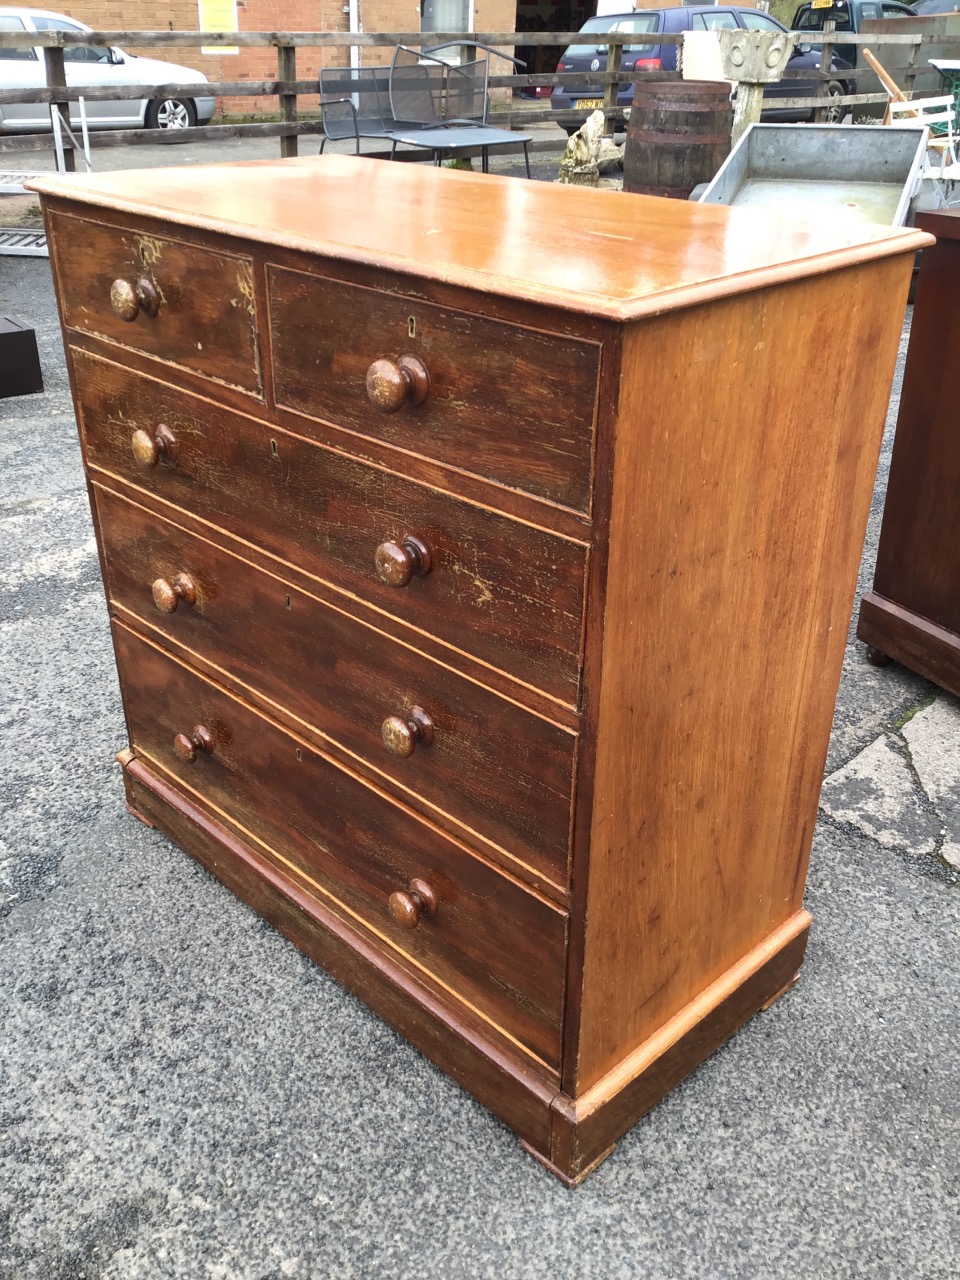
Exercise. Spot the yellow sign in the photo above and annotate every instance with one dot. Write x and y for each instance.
(218, 15)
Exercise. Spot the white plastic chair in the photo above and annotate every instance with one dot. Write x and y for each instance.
(937, 114)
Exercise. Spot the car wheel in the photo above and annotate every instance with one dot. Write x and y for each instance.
(171, 113)
(835, 111)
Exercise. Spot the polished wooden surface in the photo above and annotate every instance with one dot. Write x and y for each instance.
(512, 403)
(187, 305)
(482, 627)
(486, 590)
(731, 591)
(491, 941)
(913, 612)
(567, 246)
(492, 766)
(514, 1086)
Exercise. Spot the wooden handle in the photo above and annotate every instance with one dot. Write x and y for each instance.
(167, 595)
(397, 562)
(186, 745)
(128, 300)
(402, 733)
(392, 384)
(407, 906)
(149, 449)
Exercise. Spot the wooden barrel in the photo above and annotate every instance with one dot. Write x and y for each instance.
(678, 136)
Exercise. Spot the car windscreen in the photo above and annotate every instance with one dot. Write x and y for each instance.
(641, 23)
(809, 19)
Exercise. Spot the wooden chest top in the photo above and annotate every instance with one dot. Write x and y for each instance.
(562, 246)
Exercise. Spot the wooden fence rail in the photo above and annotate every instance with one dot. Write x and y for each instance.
(288, 89)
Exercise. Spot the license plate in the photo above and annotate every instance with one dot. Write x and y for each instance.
(592, 104)
(822, 4)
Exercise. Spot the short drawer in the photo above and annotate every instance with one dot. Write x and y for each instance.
(495, 944)
(189, 306)
(491, 765)
(508, 592)
(512, 404)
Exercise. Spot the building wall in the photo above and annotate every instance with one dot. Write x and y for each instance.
(272, 15)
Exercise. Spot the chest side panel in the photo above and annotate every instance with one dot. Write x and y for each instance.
(738, 513)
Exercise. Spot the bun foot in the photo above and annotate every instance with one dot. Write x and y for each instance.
(877, 658)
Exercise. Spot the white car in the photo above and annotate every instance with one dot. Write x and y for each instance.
(87, 64)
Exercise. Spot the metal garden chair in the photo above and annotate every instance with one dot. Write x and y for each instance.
(449, 104)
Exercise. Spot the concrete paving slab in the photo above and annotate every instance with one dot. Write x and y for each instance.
(878, 793)
(933, 738)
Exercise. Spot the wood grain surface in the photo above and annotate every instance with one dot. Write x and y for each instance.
(592, 251)
(492, 766)
(622, 532)
(507, 591)
(507, 1081)
(507, 402)
(918, 559)
(739, 509)
(492, 942)
(206, 318)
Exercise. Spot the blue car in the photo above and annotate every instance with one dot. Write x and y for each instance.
(649, 55)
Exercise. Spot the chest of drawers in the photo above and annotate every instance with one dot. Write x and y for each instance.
(913, 612)
(479, 556)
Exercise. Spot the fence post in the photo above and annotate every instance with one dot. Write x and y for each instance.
(910, 74)
(57, 79)
(614, 57)
(826, 63)
(287, 70)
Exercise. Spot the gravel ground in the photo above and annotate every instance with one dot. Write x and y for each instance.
(182, 1094)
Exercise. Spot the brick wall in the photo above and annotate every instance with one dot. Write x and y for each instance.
(273, 15)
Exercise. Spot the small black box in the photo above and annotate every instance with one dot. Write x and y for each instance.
(19, 360)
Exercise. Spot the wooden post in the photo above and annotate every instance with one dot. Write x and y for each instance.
(57, 79)
(614, 58)
(826, 61)
(910, 74)
(287, 70)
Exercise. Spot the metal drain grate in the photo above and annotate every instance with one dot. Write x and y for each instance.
(12, 182)
(28, 242)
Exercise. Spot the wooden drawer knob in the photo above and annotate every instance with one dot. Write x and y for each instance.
(397, 562)
(407, 906)
(149, 449)
(167, 595)
(402, 733)
(186, 745)
(392, 384)
(128, 300)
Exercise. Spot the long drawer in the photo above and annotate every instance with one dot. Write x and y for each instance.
(190, 306)
(508, 592)
(487, 762)
(495, 944)
(511, 403)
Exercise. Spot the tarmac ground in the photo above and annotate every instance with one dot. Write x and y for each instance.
(184, 1095)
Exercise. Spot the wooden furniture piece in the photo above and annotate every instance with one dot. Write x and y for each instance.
(20, 373)
(913, 612)
(479, 556)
